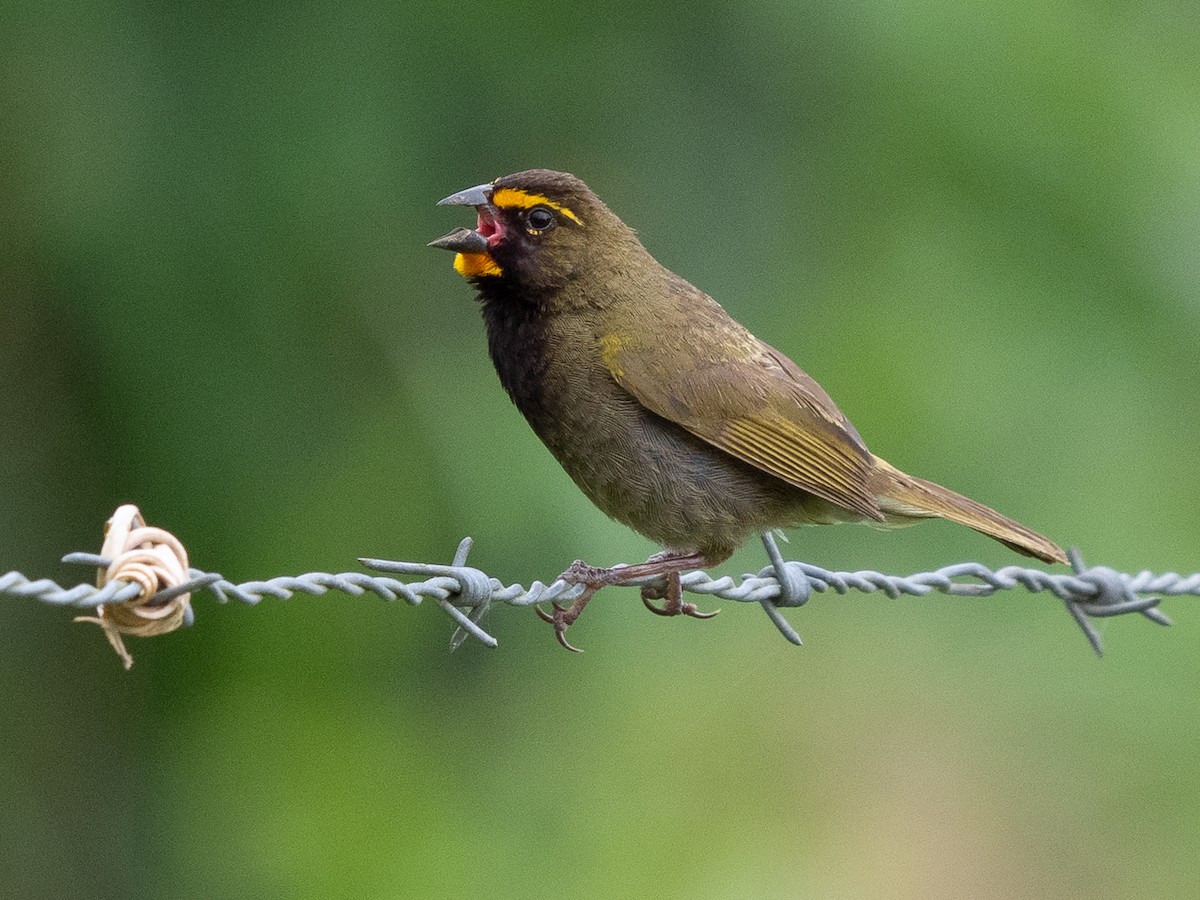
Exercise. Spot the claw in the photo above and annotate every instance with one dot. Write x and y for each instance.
(684, 609)
(546, 617)
(561, 620)
(562, 639)
(658, 610)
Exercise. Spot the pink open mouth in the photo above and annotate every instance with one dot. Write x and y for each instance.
(489, 225)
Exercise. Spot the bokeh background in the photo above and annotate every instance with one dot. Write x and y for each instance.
(975, 223)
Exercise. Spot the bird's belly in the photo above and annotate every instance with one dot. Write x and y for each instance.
(670, 485)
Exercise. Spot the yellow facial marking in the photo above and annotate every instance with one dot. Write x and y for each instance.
(511, 198)
(610, 346)
(475, 265)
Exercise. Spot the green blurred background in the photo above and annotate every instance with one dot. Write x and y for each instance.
(975, 224)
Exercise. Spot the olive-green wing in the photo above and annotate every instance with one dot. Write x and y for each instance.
(757, 405)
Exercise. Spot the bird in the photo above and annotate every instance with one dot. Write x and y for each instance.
(668, 414)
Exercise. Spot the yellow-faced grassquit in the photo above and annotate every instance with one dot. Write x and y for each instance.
(669, 415)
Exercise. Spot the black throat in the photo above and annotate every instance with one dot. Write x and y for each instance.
(517, 332)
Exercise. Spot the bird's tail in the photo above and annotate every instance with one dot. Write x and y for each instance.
(906, 497)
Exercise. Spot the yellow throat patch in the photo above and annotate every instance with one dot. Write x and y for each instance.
(475, 265)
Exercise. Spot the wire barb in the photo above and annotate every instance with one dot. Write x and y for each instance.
(467, 594)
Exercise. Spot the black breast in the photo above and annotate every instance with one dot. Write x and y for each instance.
(518, 341)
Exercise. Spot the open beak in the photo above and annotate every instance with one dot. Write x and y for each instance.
(464, 240)
(474, 246)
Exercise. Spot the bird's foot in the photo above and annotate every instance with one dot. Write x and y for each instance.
(592, 578)
(564, 617)
(673, 605)
(666, 564)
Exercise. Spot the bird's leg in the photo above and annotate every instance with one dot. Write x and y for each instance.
(666, 564)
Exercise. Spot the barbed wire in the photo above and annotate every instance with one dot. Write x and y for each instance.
(467, 594)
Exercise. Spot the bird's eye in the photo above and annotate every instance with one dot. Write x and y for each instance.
(539, 219)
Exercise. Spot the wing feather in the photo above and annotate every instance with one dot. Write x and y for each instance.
(758, 406)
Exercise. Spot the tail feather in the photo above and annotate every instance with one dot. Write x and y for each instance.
(906, 496)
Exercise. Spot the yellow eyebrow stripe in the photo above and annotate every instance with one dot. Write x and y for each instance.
(511, 198)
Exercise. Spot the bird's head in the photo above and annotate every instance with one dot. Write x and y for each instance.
(536, 229)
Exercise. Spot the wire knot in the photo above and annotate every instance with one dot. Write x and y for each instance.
(1112, 590)
(1109, 594)
(794, 588)
(153, 559)
(474, 587)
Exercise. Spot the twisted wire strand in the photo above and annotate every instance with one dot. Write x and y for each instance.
(466, 594)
